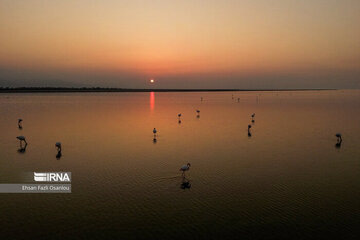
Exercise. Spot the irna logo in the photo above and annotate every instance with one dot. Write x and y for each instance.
(52, 177)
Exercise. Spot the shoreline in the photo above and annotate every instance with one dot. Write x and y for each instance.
(77, 90)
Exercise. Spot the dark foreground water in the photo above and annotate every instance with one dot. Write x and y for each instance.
(286, 181)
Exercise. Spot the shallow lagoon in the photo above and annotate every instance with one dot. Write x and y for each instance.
(288, 180)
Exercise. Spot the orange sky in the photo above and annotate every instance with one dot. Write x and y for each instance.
(167, 39)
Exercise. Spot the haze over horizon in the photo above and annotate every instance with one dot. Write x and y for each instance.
(181, 44)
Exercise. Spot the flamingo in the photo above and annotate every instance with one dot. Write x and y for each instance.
(339, 138)
(185, 168)
(58, 146)
(19, 123)
(198, 113)
(22, 139)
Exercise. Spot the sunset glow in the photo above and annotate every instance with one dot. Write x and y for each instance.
(179, 119)
(119, 43)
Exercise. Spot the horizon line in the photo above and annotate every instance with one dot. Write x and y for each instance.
(108, 89)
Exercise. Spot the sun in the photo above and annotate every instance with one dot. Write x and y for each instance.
(152, 80)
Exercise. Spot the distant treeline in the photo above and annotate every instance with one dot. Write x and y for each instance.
(99, 89)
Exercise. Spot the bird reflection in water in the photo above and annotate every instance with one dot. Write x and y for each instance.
(58, 155)
(185, 183)
(22, 148)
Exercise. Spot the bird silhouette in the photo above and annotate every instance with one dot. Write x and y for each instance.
(185, 168)
(339, 140)
(58, 147)
(20, 123)
(155, 134)
(22, 139)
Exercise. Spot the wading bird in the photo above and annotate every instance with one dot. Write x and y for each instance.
(198, 113)
(58, 146)
(339, 140)
(185, 168)
(22, 139)
(154, 132)
(20, 123)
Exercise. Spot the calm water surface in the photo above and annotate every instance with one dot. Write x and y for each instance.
(288, 180)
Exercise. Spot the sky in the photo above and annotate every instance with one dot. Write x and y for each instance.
(256, 44)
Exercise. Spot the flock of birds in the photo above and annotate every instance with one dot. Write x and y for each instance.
(186, 167)
(185, 184)
(23, 142)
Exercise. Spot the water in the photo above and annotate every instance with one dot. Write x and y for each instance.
(288, 180)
